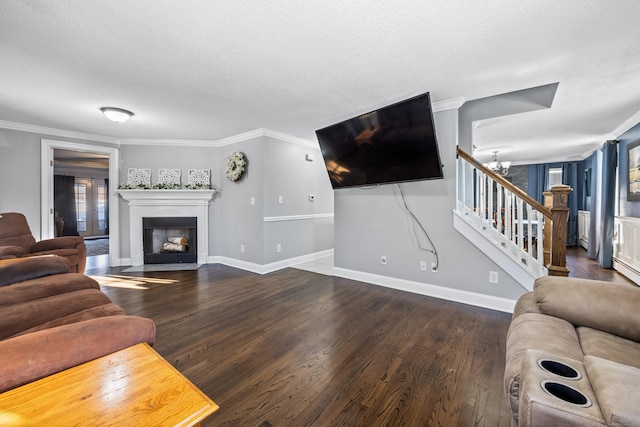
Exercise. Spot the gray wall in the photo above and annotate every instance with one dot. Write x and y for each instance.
(20, 173)
(274, 168)
(163, 157)
(241, 222)
(519, 176)
(370, 223)
(288, 174)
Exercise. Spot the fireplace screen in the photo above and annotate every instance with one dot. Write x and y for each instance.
(170, 240)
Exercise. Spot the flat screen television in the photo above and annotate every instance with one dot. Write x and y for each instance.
(396, 143)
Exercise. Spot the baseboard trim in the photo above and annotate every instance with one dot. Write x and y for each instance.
(626, 271)
(271, 267)
(456, 295)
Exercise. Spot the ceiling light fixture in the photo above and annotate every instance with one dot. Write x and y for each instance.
(501, 168)
(117, 115)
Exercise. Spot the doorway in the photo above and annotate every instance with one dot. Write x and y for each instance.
(93, 167)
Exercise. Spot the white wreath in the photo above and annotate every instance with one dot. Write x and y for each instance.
(235, 165)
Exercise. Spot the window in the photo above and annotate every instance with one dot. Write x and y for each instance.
(102, 207)
(81, 206)
(555, 177)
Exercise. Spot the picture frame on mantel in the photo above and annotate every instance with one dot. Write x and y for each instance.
(633, 171)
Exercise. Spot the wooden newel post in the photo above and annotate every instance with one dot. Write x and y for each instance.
(559, 217)
(546, 249)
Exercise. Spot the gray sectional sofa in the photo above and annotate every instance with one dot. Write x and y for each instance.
(573, 354)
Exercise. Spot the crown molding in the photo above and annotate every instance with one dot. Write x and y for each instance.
(241, 137)
(448, 104)
(291, 139)
(167, 142)
(625, 126)
(195, 142)
(23, 127)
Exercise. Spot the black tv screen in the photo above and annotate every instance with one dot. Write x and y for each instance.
(393, 144)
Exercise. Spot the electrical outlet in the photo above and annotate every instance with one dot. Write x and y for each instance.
(383, 259)
(278, 248)
(434, 267)
(423, 265)
(493, 277)
(242, 248)
(253, 200)
(280, 200)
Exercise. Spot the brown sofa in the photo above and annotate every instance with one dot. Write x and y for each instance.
(51, 320)
(16, 241)
(573, 354)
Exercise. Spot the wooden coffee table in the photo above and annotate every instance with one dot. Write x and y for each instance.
(132, 387)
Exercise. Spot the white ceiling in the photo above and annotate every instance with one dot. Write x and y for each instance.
(207, 70)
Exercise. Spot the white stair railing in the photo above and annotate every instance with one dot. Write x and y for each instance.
(506, 215)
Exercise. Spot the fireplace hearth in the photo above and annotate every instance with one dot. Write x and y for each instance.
(170, 240)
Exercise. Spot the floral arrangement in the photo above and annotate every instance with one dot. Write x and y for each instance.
(139, 186)
(235, 165)
(197, 186)
(161, 186)
(166, 186)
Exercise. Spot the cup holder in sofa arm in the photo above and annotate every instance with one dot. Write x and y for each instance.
(566, 393)
(560, 369)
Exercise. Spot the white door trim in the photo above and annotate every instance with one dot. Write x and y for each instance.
(47, 227)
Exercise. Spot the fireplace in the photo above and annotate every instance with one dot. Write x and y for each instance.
(168, 204)
(170, 240)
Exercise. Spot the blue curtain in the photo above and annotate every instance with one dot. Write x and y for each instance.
(603, 207)
(106, 207)
(570, 178)
(538, 181)
(64, 203)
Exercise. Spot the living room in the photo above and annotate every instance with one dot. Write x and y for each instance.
(195, 102)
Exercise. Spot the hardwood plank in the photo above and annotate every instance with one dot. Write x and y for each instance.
(295, 348)
(580, 265)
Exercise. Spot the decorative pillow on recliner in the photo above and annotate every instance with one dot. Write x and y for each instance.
(606, 306)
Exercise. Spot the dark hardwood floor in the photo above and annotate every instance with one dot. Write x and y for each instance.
(580, 265)
(295, 348)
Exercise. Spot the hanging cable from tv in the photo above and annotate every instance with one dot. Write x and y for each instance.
(415, 221)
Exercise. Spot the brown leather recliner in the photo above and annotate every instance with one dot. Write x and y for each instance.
(51, 320)
(16, 241)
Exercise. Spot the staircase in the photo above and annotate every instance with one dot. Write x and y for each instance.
(525, 238)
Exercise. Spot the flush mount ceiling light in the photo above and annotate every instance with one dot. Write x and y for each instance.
(117, 115)
(501, 168)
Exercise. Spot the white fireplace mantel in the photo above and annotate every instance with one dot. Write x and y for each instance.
(167, 203)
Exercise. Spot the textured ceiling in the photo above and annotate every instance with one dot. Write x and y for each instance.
(207, 70)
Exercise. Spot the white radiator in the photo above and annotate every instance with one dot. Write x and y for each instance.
(584, 219)
(626, 247)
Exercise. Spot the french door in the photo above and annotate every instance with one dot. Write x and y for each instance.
(91, 206)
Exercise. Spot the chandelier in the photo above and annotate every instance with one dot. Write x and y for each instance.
(501, 168)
